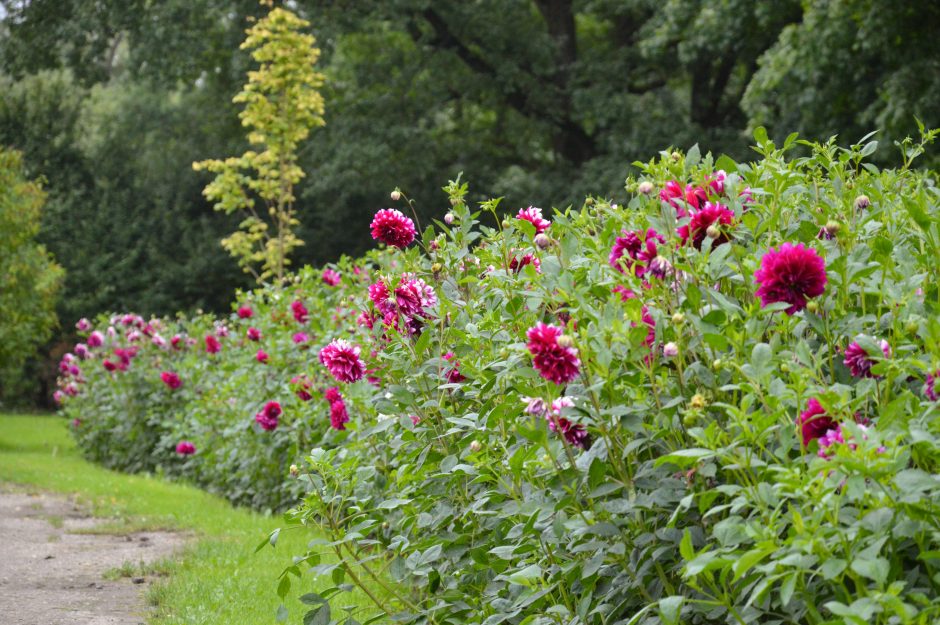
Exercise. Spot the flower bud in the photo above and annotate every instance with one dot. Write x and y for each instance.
(543, 241)
(506, 223)
(449, 218)
(911, 327)
(645, 187)
(436, 267)
(396, 195)
(454, 201)
(294, 471)
(712, 232)
(678, 318)
(717, 364)
(697, 402)
(813, 307)
(832, 228)
(675, 156)
(475, 446)
(565, 341)
(546, 458)
(862, 202)
(784, 367)
(670, 350)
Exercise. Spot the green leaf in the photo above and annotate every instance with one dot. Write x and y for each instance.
(670, 609)
(527, 575)
(875, 569)
(284, 587)
(832, 568)
(318, 616)
(312, 598)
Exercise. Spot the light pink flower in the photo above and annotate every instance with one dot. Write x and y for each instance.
(534, 216)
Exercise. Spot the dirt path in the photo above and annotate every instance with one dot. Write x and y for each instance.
(52, 574)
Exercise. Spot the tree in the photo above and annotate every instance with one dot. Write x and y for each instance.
(282, 104)
(29, 277)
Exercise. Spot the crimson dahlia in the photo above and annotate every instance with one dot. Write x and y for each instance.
(633, 252)
(793, 274)
(267, 417)
(212, 345)
(814, 422)
(859, 362)
(185, 448)
(556, 362)
(391, 227)
(331, 277)
(301, 314)
(245, 312)
(697, 228)
(342, 359)
(171, 379)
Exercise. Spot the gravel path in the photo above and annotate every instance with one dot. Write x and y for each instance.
(51, 575)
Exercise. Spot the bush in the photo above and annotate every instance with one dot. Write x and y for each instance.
(713, 404)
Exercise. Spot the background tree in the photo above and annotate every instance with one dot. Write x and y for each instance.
(29, 278)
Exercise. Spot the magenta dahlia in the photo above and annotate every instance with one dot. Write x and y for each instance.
(516, 264)
(331, 277)
(635, 250)
(793, 274)
(342, 359)
(697, 228)
(534, 216)
(814, 422)
(300, 312)
(339, 416)
(674, 195)
(212, 344)
(262, 357)
(453, 375)
(932, 386)
(171, 379)
(267, 416)
(245, 312)
(253, 334)
(391, 227)
(556, 362)
(95, 339)
(185, 448)
(858, 360)
(413, 295)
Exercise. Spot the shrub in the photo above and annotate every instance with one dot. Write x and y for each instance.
(611, 417)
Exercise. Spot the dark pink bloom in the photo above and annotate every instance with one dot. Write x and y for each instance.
(110, 366)
(717, 182)
(83, 325)
(555, 362)
(534, 216)
(303, 386)
(391, 227)
(413, 295)
(342, 360)
(301, 314)
(245, 312)
(697, 228)
(331, 277)
(176, 341)
(262, 356)
(674, 195)
(185, 448)
(95, 339)
(171, 379)
(634, 253)
(793, 274)
(253, 334)
(454, 376)
(516, 264)
(76, 423)
(58, 396)
(380, 295)
(931, 387)
(267, 417)
(859, 362)
(300, 338)
(814, 422)
(332, 394)
(212, 344)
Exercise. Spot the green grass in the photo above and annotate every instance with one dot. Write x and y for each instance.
(218, 579)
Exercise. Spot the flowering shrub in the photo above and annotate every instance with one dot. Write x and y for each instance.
(639, 430)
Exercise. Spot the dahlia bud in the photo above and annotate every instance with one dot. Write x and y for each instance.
(660, 267)
(506, 223)
(784, 367)
(475, 446)
(670, 350)
(294, 471)
(589, 201)
(645, 187)
(862, 202)
(712, 231)
(385, 525)
(542, 241)
(812, 307)
(832, 228)
(565, 341)
(697, 402)
(436, 267)
(546, 458)
(396, 195)
(675, 156)
(449, 218)
(678, 318)
(911, 326)
(689, 419)
(454, 201)
(717, 364)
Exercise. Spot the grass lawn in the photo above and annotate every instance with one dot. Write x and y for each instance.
(219, 579)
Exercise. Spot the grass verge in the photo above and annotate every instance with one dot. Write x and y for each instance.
(218, 579)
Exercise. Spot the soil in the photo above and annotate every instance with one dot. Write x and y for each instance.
(52, 565)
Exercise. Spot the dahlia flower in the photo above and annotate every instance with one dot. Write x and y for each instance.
(301, 314)
(516, 264)
(555, 362)
(673, 194)
(262, 356)
(814, 422)
(185, 448)
(454, 376)
(303, 385)
(793, 274)
(339, 416)
(171, 379)
(253, 334)
(83, 325)
(245, 312)
(931, 387)
(859, 362)
(267, 417)
(534, 216)
(300, 338)
(342, 360)
(697, 228)
(212, 344)
(331, 277)
(95, 339)
(634, 253)
(391, 227)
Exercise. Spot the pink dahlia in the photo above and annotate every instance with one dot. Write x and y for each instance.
(453, 376)
(814, 422)
(932, 387)
(342, 359)
(556, 362)
(253, 334)
(95, 339)
(171, 379)
(697, 228)
(717, 182)
(516, 264)
(534, 216)
(300, 338)
(674, 195)
(380, 295)
(859, 362)
(339, 416)
(574, 433)
(212, 344)
(634, 253)
(331, 277)
(58, 397)
(332, 394)
(108, 365)
(185, 448)
(793, 274)
(83, 325)
(391, 227)
(302, 386)
(245, 312)
(413, 295)
(176, 341)
(262, 356)
(267, 417)
(301, 314)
